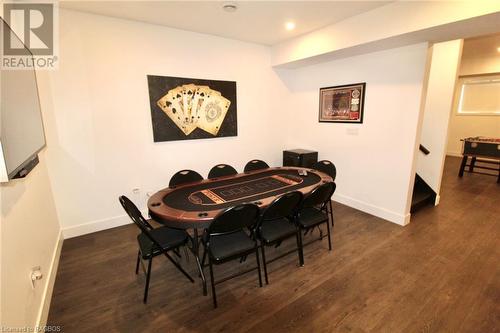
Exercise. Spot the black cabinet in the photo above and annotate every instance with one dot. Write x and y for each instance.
(300, 158)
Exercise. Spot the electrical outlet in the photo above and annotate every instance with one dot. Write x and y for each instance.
(36, 274)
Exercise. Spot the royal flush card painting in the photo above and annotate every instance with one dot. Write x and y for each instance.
(342, 104)
(184, 109)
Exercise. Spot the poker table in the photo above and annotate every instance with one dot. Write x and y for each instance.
(195, 205)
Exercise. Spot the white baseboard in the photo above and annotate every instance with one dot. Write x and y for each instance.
(94, 226)
(43, 312)
(454, 153)
(373, 210)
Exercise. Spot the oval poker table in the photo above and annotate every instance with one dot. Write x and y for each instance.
(194, 205)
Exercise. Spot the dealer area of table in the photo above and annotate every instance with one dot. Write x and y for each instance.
(481, 150)
(194, 205)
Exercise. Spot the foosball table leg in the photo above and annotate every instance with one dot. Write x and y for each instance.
(462, 166)
(472, 164)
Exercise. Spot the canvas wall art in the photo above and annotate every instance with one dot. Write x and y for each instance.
(184, 108)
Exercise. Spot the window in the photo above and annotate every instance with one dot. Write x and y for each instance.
(479, 95)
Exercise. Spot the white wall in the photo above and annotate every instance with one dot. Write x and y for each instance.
(480, 56)
(443, 74)
(374, 159)
(100, 122)
(30, 236)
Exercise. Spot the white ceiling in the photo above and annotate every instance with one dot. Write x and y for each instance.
(255, 21)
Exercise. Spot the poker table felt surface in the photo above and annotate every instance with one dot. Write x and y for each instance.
(195, 205)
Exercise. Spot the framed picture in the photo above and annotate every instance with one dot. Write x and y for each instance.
(185, 109)
(342, 104)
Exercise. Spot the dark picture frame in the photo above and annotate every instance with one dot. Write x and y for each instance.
(342, 104)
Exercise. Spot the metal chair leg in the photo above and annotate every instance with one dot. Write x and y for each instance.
(212, 281)
(258, 265)
(301, 253)
(331, 215)
(264, 262)
(138, 262)
(330, 207)
(195, 241)
(186, 252)
(203, 259)
(299, 248)
(179, 267)
(329, 237)
(148, 277)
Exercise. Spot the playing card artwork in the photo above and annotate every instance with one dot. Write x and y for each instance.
(183, 109)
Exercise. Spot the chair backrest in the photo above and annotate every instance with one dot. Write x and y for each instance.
(326, 167)
(184, 177)
(255, 165)
(319, 196)
(234, 219)
(221, 170)
(136, 216)
(283, 206)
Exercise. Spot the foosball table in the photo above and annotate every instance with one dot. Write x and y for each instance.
(481, 150)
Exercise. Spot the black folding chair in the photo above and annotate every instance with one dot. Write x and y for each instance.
(277, 223)
(154, 241)
(184, 177)
(255, 165)
(227, 238)
(314, 211)
(221, 170)
(329, 168)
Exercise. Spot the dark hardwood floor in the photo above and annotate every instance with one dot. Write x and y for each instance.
(441, 273)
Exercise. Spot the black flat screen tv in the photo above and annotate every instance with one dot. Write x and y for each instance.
(22, 134)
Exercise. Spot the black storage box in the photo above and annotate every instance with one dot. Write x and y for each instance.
(300, 158)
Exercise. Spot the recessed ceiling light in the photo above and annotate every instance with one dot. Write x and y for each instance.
(230, 7)
(289, 25)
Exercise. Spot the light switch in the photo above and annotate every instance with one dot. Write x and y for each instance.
(352, 131)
